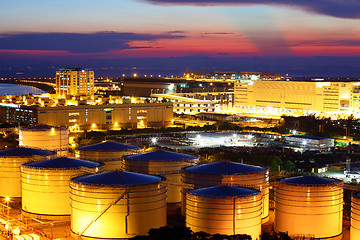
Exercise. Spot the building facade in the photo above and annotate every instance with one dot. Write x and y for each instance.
(309, 142)
(231, 76)
(298, 97)
(74, 81)
(92, 117)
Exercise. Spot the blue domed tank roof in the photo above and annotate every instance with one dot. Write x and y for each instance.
(309, 180)
(108, 147)
(224, 192)
(42, 127)
(23, 152)
(117, 178)
(161, 155)
(225, 167)
(62, 163)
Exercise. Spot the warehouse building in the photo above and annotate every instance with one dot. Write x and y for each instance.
(93, 117)
(297, 97)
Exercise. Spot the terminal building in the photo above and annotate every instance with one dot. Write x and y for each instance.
(297, 97)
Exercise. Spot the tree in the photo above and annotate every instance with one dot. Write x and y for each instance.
(289, 165)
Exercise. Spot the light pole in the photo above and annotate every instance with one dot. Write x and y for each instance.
(7, 200)
(52, 224)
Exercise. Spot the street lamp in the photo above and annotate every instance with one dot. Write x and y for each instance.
(7, 200)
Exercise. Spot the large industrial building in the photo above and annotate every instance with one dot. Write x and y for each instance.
(92, 117)
(308, 142)
(232, 75)
(297, 97)
(74, 81)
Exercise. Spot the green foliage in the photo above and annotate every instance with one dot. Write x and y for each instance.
(11, 139)
(145, 144)
(89, 138)
(289, 165)
(271, 161)
(184, 233)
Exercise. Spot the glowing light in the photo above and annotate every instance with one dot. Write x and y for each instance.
(93, 125)
(116, 124)
(16, 231)
(153, 140)
(7, 199)
(171, 87)
(135, 74)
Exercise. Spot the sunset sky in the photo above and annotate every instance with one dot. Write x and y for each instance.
(98, 31)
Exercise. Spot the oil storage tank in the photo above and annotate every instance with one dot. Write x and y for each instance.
(355, 216)
(309, 206)
(109, 153)
(46, 137)
(45, 185)
(117, 204)
(224, 210)
(164, 163)
(227, 173)
(10, 163)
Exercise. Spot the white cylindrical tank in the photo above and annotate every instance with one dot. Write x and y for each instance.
(164, 163)
(10, 163)
(309, 206)
(355, 216)
(117, 204)
(45, 185)
(108, 153)
(227, 173)
(224, 210)
(46, 137)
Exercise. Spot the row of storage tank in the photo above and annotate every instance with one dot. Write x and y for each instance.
(222, 197)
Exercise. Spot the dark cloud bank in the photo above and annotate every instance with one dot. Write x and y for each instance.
(335, 8)
(77, 42)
